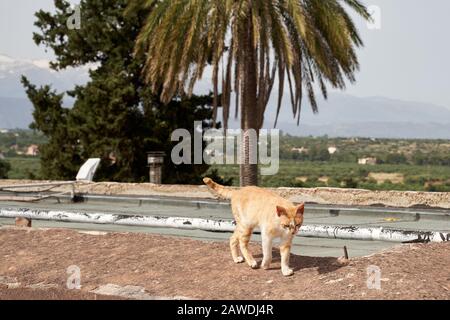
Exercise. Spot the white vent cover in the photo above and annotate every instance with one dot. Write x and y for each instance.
(87, 170)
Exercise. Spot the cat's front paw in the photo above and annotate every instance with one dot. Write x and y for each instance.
(253, 265)
(287, 272)
(265, 265)
(239, 260)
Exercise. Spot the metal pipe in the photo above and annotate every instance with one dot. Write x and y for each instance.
(315, 231)
(121, 219)
(34, 185)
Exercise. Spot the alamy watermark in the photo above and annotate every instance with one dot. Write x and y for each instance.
(227, 147)
(74, 279)
(74, 20)
(373, 277)
(375, 15)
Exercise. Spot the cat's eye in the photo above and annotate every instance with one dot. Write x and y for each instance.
(285, 226)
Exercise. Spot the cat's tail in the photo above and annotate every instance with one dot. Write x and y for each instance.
(222, 191)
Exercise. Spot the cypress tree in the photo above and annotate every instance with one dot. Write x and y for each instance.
(115, 116)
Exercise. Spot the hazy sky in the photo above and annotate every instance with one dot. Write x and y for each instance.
(408, 58)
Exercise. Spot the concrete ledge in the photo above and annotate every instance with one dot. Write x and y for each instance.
(335, 196)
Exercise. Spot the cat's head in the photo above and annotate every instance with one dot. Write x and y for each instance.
(291, 218)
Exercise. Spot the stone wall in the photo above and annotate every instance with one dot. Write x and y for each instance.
(334, 196)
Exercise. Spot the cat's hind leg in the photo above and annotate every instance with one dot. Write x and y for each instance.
(234, 246)
(244, 239)
(234, 240)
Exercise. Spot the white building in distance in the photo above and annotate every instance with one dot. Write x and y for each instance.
(369, 161)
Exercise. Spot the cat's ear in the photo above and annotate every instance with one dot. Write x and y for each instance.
(281, 211)
(300, 209)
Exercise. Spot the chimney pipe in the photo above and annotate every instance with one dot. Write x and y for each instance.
(155, 160)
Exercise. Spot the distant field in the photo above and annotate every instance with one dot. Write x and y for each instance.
(24, 167)
(321, 174)
(294, 173)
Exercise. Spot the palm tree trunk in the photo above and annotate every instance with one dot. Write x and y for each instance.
(249, 117)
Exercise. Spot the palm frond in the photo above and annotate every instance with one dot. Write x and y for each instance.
(311, 42)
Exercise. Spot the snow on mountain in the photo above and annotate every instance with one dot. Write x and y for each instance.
(341, 115)
(5, 59)
(39, 73)
(43, 64)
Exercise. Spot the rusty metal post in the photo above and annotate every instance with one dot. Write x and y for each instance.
(23, 222)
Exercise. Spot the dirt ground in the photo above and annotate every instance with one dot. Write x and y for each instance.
(34, 262)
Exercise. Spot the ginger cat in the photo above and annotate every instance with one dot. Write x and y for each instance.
(275, 216)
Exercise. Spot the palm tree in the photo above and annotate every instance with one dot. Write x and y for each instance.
(249, 43)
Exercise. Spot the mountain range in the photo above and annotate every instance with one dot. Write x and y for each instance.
(341, 115)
